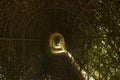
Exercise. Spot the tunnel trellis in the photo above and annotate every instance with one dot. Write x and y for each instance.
(91, 29)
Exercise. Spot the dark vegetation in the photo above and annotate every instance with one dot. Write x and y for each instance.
(91, 29)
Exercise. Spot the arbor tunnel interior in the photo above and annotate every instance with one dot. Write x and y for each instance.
(90, 28)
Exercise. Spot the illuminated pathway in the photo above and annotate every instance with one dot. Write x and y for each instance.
(58, 50)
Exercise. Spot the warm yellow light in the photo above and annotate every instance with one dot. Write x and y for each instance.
(57, 43)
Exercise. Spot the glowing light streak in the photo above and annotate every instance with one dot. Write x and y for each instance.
(76, 65)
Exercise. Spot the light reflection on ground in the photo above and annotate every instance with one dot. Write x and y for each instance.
(59, 48)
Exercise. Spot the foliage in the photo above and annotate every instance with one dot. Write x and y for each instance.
(94, 41)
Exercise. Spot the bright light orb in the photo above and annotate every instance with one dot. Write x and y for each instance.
(57, 43)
